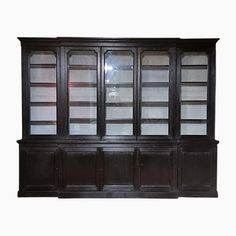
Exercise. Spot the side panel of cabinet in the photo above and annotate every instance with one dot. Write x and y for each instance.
(158, 171)
(79, 168)
(38, 169)
(118, 169)
(198, 171)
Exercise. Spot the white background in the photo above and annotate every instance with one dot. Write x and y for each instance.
(123, 18)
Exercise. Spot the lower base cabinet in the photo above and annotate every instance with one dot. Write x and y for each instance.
(158, 170)
(198, 171)
(152, 172)
(38, 171)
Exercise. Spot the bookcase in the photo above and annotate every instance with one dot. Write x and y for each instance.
(118, 117)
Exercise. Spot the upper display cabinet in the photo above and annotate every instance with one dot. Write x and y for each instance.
(134, 89)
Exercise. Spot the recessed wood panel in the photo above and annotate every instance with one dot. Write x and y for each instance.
(197, 169)
(157, 170)
(39, 169)
(118, 169)
(79, 169)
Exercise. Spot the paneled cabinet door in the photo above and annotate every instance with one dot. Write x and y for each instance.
(42, 93)
(39, 169)
(79, 169)
(156, 79)
(119, 91)
(83, 66)
(158, 170)
(118, 169)
(194, 95)
(198, 169)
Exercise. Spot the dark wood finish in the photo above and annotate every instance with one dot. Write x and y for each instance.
(118, 169)
(150, 166)
(198, 170)
(79, 169)
(158, 170)
(39, 170)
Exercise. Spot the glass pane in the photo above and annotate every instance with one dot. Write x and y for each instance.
(119, 113)
(83, 58)
(119, 76)
(119, 129)
(193, 129)
(155, 58)
(154, 129)
(88, 76)
(118, 58)
(43, 57)
(155, 75)
(83, 129)
(43, 129)
(155, 112)
(44, 113)
(116, 94)
(194, 112)
(83, 93)
(119, 92)
(83, 112)
(191, 58)
(155, 71)
(194, 93)
(40, 94)
(43, 75)
(155, 94)
(194, 74)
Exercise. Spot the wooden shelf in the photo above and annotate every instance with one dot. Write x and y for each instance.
(155, 84)
(82, 67)
(154, 121)
(194, 67)
(155, 67)
(194, 102)
(193, 121)
(119, 104)
(43, 103)
(119, 121)
(121, 67)
(43, 84)
(122, 85)
(155, 104)
(42, 66)
(82, 84)
(83, 120)
(43, 122)
(193, 83)
(82, 104)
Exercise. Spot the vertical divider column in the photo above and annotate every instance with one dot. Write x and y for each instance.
(136, 98)
(178, 93)
(101, 118)
(63, 95)
(173, 102)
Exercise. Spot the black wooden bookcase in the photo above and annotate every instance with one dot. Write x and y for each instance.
(106, 117)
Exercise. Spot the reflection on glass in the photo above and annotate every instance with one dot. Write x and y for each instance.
(119, 92)
(194, 76)
(43, 117)
(155, 93)
(83, 93)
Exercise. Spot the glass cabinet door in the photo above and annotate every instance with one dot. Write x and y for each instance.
(42, 76)
(82, 83)
(194, 77)
(119, 77)
(154, 93)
